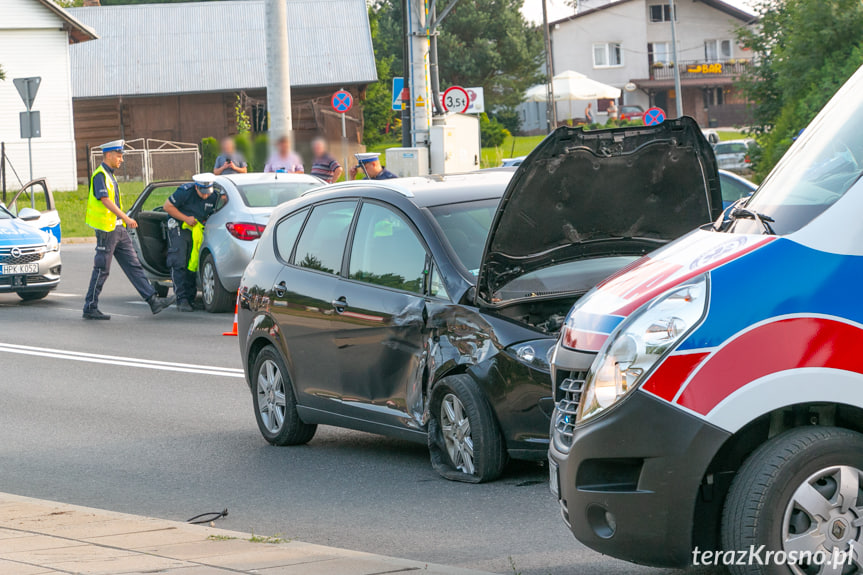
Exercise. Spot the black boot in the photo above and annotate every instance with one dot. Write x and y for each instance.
(185, 306)
(157, 304)
(95, 314)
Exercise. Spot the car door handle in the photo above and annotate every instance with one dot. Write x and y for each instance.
(280, 289)
(339, 304)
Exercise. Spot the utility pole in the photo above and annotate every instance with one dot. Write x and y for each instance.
(278, 70)
(550, 106)
(406, 72)
(678, 96)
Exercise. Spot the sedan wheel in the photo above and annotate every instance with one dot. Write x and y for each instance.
(464, 438)
(274, 401)
(455, 427)
(271, 397)
(216, 298)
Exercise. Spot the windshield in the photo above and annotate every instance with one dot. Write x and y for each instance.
(4, 214)
(731, 148)
(271, 194)
(466, 226)
(819, 168)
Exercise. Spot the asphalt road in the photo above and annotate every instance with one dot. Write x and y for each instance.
(172, 442)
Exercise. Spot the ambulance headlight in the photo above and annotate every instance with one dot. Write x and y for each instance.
(639, 343)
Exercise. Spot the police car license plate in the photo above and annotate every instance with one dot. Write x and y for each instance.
(553, 480)
(19, 269)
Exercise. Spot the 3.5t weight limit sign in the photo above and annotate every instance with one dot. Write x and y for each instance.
(455, 99)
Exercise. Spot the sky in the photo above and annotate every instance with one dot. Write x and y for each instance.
(558, 9)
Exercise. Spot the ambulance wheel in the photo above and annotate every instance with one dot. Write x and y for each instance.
(161, 290)
(275, 403)
(802, 491)
(216, 298)
(32, 295)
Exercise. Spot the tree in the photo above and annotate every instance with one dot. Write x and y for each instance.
(804, 50)
(378, 115)
(2, 73)
(485, 43)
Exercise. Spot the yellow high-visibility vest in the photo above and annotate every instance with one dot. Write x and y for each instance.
(98, 216)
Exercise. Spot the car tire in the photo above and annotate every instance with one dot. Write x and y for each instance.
(161, 290)
(275, 403)
(216, 298)
(465, 442)
(773, 496)
(32, 295)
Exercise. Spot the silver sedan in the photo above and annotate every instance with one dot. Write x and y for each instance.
(230, 235)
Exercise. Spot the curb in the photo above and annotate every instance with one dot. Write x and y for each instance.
(45, 537)
(86, 240)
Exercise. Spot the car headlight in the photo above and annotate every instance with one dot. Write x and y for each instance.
(53, 245)
(535, 354)
(639, 343)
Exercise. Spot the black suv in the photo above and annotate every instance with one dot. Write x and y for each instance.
(427, 308)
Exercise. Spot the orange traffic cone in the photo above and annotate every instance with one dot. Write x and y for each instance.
(236, 309)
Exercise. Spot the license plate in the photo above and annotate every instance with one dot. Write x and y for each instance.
(19, 269)
(553, 480)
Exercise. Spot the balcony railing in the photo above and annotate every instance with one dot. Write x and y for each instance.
(700, 69)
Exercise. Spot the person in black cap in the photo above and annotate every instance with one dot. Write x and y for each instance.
(189, 206)
(105, 215)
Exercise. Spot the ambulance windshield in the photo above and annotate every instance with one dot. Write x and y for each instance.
(823, 164)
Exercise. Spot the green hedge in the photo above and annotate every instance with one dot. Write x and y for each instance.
(209, 153)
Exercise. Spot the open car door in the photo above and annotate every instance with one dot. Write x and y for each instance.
(150, 238)
(37, 196)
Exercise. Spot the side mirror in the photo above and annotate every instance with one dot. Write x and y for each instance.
(29, 214)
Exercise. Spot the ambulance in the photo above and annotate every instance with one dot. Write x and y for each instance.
(709, 397)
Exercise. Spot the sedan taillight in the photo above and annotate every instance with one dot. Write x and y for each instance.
(245, 231)
(747, 159)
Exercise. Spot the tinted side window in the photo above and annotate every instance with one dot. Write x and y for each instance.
(323, 241)
(386, 251)
(286, 234)
(732, 190)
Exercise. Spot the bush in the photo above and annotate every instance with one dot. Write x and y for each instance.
(209, 153)
(261, 151)
(243, 143)
(492, 132)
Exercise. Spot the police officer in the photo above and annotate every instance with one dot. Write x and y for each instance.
(370, 163)
(190, 204)
(105, 215)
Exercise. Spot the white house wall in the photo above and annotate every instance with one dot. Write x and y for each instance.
(32, 43)
(698, 22)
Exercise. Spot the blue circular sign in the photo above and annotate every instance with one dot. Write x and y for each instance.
(654, 116)
(342, 101)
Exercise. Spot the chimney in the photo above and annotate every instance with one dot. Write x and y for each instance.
(88, 3)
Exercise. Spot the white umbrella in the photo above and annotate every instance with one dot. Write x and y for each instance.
(570, 86)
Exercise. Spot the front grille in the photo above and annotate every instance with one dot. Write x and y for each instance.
(27, 255)
(568, 395)
(31, 280)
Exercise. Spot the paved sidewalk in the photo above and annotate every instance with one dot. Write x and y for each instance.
(40, 537)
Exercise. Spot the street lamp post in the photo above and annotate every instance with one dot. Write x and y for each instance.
(678, 96)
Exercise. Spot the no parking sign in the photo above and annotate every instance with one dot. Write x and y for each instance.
(654, 116)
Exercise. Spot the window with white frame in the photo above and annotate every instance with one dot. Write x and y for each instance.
(659, 52)
(607, 55)
(660, 12)
(717, 50)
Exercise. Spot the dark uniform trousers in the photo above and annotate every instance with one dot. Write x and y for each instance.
(179, 248)
(110, 245)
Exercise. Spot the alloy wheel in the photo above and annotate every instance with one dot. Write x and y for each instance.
(825, 515)
(208, 280)
(271, 396)
(455, 427)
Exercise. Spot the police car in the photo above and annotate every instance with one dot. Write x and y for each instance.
(29, 256)
(710, 396)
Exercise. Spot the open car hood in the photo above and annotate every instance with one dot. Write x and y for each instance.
(578, 195)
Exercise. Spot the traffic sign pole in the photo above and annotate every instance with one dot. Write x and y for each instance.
(342, 101)
(27, 88)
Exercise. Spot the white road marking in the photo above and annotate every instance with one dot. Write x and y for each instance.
(80, 311)
(120, 360)
(61, 294)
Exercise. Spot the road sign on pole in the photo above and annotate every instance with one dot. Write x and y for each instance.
(30, 120)
(654, 116)
(27, 88)
(342, 101)
(456, 99)
(398, 86)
